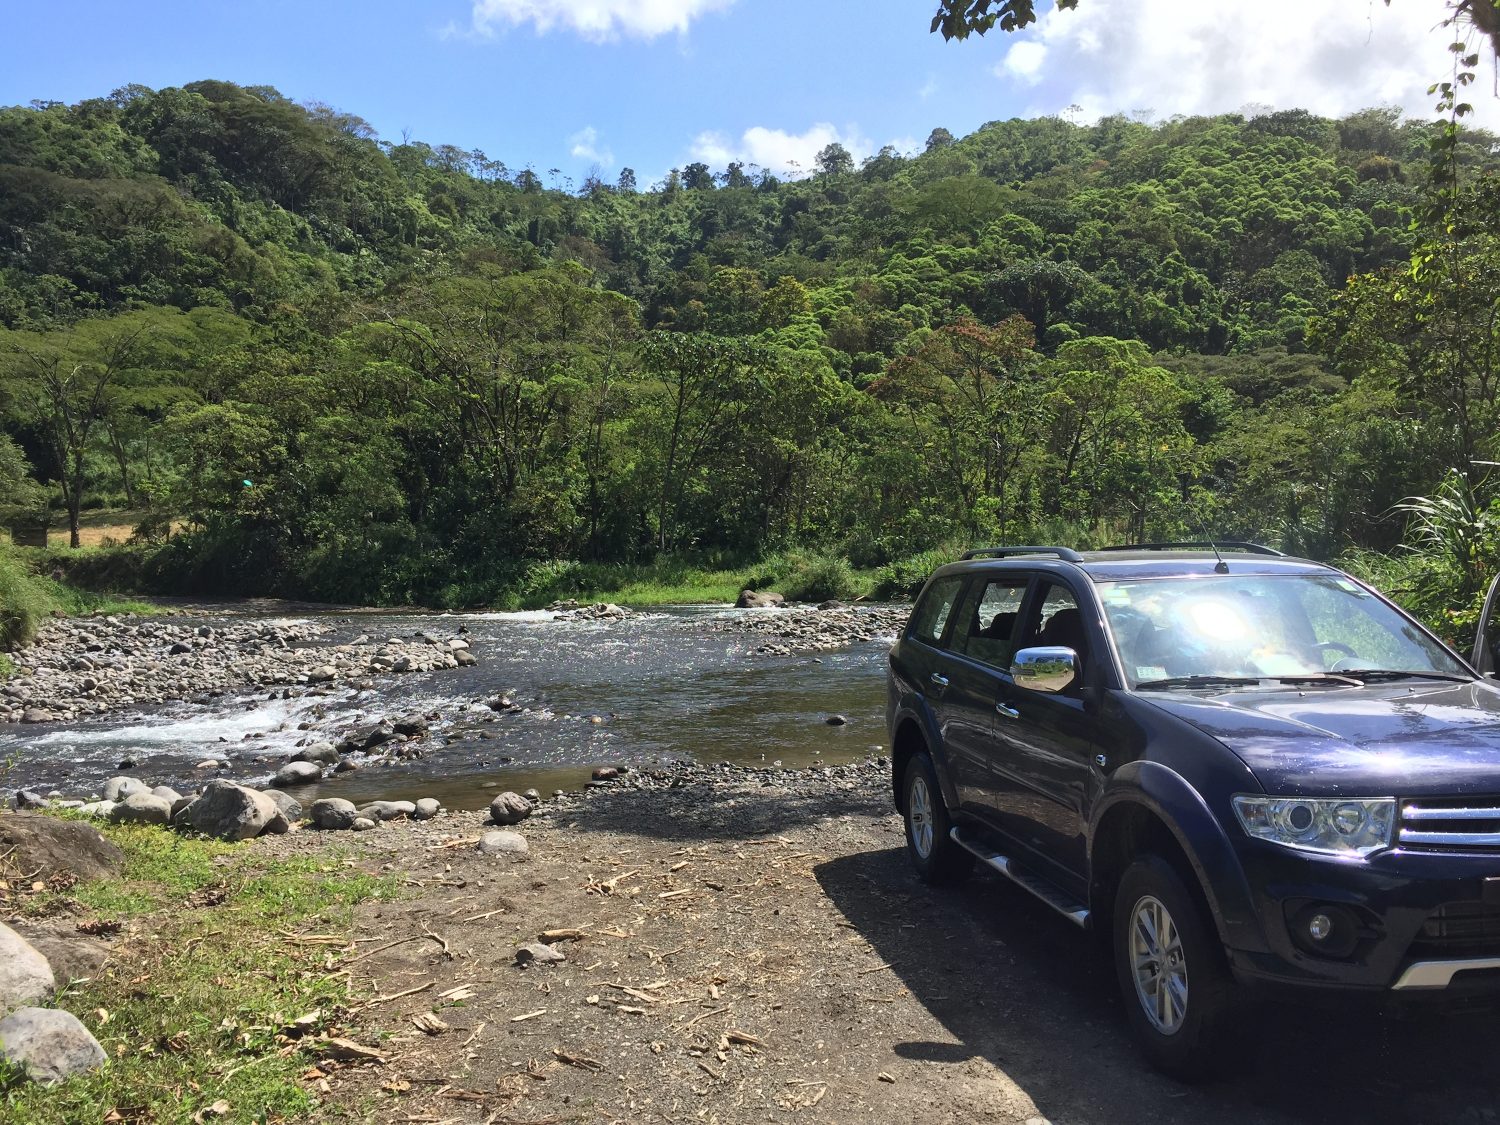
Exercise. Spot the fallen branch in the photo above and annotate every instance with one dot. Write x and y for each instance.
(397, 995)
(579, 1061)
(704, 1016)
(398, 941)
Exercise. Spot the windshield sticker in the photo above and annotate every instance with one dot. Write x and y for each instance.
(1352, 588)
(1115, 595)
(1150, 672)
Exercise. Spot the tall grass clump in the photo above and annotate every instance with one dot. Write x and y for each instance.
(24, 602)
(820, 578)
(903, 578)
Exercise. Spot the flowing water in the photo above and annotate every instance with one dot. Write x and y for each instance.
(651, 687)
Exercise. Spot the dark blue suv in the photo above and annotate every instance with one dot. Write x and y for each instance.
(1238, 767)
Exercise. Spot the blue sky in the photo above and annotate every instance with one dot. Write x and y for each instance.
(656, 83)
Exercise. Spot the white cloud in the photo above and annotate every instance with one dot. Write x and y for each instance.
(1192, 56)
(596, 20)
(1024, 61)
(777, 150)
(585, 145)
(929, 87)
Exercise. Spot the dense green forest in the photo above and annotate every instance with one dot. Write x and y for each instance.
(331, 366)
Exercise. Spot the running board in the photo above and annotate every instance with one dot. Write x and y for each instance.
(1053, 895)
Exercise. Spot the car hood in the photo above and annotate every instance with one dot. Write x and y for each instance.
(1409, 738)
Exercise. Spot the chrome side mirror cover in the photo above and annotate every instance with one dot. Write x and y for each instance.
(1048, 669)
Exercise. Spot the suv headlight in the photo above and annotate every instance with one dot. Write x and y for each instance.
(1349, 826)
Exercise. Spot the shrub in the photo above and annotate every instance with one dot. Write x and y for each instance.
(23, 602)
(904, 578)
(818, 578)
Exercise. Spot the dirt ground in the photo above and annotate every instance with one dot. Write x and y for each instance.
(756, 948)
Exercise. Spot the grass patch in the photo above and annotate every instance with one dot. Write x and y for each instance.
(192, 1006)
(28, 598)
(683, 580)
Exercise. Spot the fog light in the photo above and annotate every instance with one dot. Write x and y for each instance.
(1324, 929)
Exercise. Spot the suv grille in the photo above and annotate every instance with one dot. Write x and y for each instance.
(1469, 824)
(1461, 928)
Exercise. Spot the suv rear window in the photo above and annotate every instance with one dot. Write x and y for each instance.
(932, 614)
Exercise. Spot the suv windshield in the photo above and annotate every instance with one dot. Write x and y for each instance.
(1263, 626)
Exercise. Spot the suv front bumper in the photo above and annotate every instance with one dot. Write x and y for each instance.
(1399, 898)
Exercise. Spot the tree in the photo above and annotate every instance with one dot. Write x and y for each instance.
(835, 160)
(939, 138)
(958, 19)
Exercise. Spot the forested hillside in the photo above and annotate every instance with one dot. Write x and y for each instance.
(346, 368)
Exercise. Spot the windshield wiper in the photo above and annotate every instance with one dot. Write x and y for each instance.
(1346, 678)
(1368, 674)
(1197, 681)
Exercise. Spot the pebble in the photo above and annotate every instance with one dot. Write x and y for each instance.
(539, 953)
(82, 667)
(804, 629)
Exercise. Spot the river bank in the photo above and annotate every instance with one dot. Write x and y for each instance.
(736, 945)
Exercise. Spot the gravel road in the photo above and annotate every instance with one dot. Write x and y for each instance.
(750, 945)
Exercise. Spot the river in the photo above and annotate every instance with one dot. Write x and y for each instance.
(648, 688)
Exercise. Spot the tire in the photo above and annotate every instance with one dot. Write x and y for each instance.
(1181, 1027)
(937, 859)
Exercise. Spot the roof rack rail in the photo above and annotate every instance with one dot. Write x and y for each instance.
(1067, 554)
(1199, 545)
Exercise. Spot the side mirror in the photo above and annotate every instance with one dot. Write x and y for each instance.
(1045, 669)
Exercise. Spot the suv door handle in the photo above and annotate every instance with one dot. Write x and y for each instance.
(939, 679)
(1008, 711)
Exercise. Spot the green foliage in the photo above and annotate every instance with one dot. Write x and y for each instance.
(819, 578)
(24, 603)
(904, 578)
(331, 368)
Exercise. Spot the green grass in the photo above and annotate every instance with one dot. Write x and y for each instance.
(679, 580)
(27, 598)
(192, 1006)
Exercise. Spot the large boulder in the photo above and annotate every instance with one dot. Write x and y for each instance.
(290, 807)
(45, 845)
(298, 773)
(333, 813)
(72, 956)
(232, 812)
(752, 599)
(509, 808)
(49, 1044)
(118, 788)
(25, 976)
(142, 808)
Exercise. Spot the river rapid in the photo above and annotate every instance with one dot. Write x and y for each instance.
(678, 683)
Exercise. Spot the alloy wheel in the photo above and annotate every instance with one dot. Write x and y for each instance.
(1159, 965)
(919, 815)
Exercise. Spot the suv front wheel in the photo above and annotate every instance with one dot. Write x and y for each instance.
(936, 857)
(1176, 985)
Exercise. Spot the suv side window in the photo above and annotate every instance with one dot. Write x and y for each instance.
(987, 623)
(931, 617)
(1056, 621)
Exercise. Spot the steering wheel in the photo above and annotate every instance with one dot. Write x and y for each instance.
(1336, 646)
